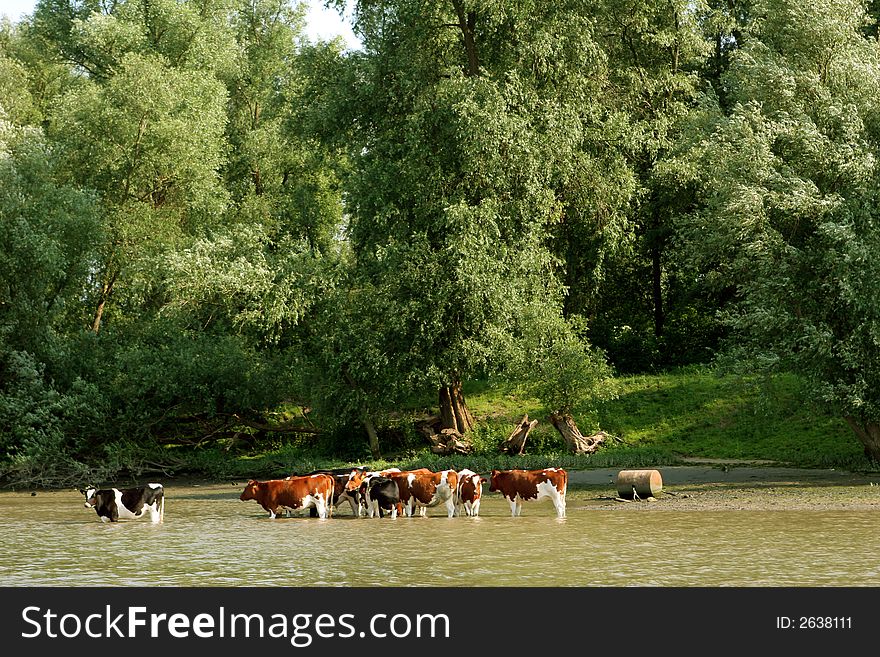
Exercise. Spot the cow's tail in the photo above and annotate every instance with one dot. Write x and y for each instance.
(162, 507)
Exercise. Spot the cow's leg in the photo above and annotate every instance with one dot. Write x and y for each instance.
(518, 506)
(321, 505)
(450, 508)
(154, 512)
(475, 508)
(393, 511)
(512, 502)
(559, 503)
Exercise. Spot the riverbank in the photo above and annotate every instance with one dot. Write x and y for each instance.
(702, 485)
(715, 486)
(725, 486)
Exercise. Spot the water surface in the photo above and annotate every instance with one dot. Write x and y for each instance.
(210, 538)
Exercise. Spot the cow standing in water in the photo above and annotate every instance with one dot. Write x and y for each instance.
(293, 493)
(420, 489)
(114, 504)
(380, 494)
(521, 485)
(468, 493)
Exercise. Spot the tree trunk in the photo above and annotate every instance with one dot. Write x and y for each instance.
(454, 413)
(374, 438)
(516, 442)
(467, 22)
(868, 433)
(657, 290)
(106, 291)
(577, 442)
(368, 423)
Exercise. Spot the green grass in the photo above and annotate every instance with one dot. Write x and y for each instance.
(659, 420)
(696, 413)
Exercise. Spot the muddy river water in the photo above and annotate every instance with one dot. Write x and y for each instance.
(210, 538)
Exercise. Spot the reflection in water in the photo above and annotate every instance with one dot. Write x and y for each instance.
(210, 538)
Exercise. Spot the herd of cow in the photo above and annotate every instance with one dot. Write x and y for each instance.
(369, 493)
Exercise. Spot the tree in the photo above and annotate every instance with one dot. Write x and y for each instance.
(788, 196)
(645, 310)
(143, 126)
(279, 177)
(462, 124)
(48, 232)
(560, 368)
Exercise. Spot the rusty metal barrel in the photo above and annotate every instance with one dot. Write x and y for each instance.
(646, 483)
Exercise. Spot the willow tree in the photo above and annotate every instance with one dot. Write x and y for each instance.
(142, 125)
(463, 122)
(788, 188)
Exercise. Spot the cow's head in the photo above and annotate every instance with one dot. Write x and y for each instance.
(89, 492)
(355, 479)
(250, 490)
(493, 480)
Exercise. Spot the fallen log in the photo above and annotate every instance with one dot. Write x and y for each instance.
(516, 441)
(576, 442)
(443, 441)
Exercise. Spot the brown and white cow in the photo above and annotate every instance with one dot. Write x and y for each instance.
(293, 493)
(468, 493)
(521, 485)
(341, 492)
(421, 489)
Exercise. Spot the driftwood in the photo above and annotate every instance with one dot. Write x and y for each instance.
(443, 441)
(576, 442)
(454, 413)
(516, 442)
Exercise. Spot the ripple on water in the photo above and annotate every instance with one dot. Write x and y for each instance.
(210, 538)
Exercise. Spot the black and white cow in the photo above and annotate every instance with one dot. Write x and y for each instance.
(113, 504)
(381, 493)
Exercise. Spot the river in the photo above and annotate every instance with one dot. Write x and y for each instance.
(210, 538)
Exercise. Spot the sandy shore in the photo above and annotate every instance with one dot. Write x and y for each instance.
(701, 486)
(731, 486)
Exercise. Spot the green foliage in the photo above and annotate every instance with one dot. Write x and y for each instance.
(47, 233)
(45, 434)
(788, 189)
(206, 221)
(558, 366)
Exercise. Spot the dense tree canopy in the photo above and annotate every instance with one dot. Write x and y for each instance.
(788, 210)
(213, 227)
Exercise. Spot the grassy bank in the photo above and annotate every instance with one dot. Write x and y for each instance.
(657, 420)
